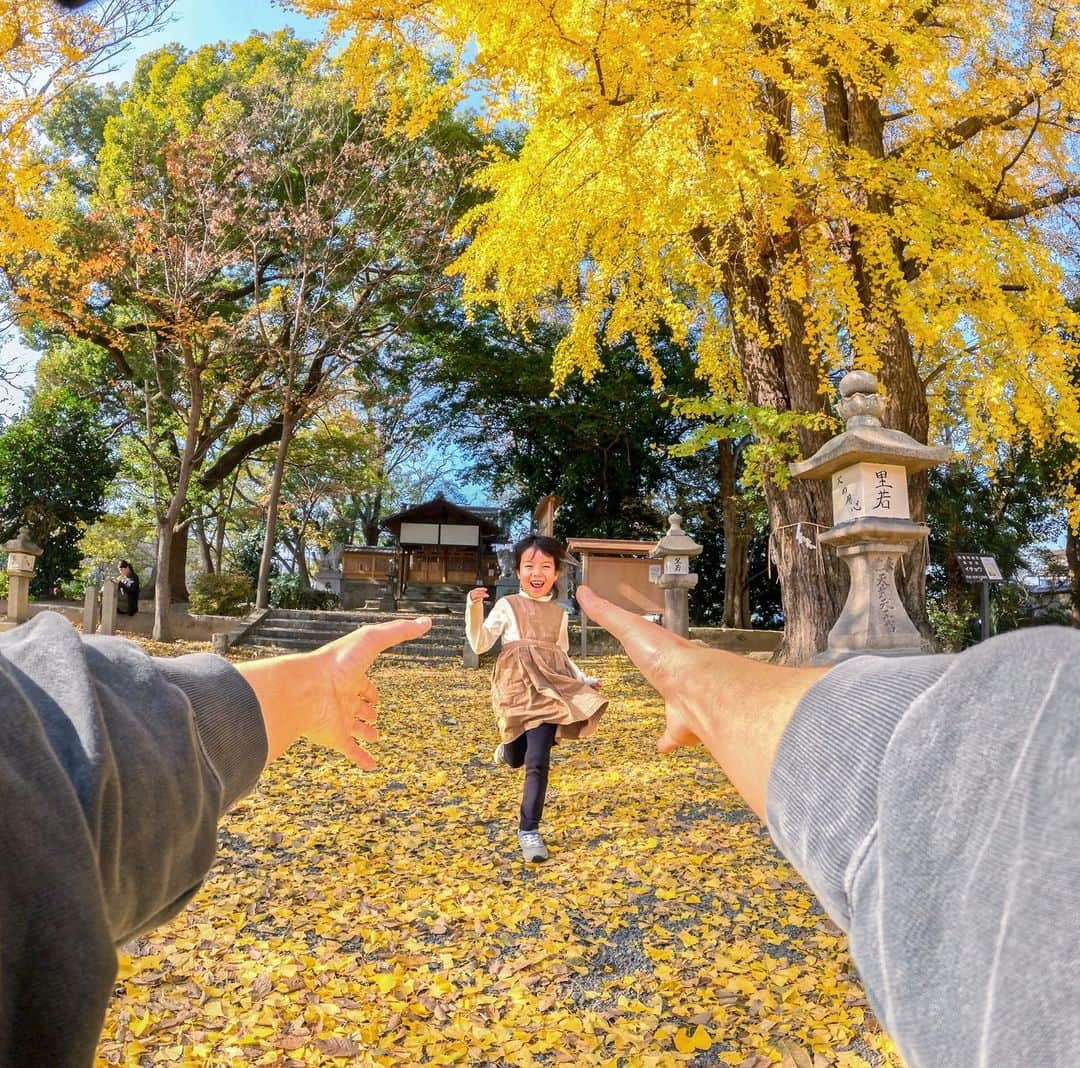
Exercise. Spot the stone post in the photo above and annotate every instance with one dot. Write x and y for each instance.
(676, 549)
(108, 607)
(90, 609)
(873, 530)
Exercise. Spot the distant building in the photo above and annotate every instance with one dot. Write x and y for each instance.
(439, 547)
(1046, 580)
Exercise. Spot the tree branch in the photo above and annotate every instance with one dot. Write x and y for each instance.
(964, 130)
(1029, 207)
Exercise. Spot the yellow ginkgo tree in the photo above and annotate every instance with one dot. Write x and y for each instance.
(793, 187)
(45, 50)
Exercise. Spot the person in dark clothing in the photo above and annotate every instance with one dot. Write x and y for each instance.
(128, 581)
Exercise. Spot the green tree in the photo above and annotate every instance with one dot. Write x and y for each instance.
(410, 435)
(55, 467)
(599, 445)
(327, 462)
(1005, 514)
(247, 235)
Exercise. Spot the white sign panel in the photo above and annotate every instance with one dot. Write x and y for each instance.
(878, 490)
(990, 566)
(454, 534)
(419, 534)
(20, 562)
(676, 565)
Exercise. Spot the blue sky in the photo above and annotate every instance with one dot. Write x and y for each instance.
(193, 23)
(199, 22)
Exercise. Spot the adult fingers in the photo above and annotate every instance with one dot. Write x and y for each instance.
(357, 754)
(364, 644)
(365, 730)
(673, 737)
(377, 637)
(649, 646)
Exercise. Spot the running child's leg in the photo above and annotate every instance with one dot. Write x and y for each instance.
(539, 741)
(513, 753)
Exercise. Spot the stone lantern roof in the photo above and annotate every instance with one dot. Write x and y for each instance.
(676, 542)
(865, 440)
(23, 543)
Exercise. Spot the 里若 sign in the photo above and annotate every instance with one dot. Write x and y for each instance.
(870, 490)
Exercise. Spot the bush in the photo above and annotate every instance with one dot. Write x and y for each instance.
(73, 589)
(286, 592)
(224, 594)
(955, 630)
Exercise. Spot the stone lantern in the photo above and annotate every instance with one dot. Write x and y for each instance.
(507, 581)
(869, 465)
(675, 550)
(21, 563)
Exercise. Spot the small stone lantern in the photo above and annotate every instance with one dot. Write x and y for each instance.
(869, 465)
(21, 564)
(675, 550)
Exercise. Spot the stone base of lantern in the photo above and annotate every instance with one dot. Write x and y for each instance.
(677, 602)
(874, 620)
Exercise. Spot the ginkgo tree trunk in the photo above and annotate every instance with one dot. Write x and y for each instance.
(794, 188)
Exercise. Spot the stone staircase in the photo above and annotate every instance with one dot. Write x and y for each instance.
(298, 631)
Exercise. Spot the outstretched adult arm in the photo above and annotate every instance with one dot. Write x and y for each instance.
(736, 707)
(115, 768)
(932, 803)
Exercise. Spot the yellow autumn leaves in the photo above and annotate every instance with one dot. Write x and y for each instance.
(844, 185)
(387, 919)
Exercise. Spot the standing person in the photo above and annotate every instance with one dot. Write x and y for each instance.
(538, 692)
(128, 581)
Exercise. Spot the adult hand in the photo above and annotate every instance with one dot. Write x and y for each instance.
(737, 707)
(326, 694)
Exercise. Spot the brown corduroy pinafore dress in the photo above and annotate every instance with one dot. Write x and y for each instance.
(533, 681)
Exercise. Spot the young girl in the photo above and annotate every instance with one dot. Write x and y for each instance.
(538, 692)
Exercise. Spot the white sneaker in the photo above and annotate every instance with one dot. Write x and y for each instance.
(532, 846)
(498, 754)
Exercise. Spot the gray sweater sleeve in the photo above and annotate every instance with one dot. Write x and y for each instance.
(933, 804)
(114, 771)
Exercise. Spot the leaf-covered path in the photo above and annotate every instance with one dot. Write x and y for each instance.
(387, 919)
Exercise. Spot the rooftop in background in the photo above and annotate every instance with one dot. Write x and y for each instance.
(1048, 572)
(440, 510)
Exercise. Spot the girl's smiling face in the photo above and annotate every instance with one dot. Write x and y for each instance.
(537, 573)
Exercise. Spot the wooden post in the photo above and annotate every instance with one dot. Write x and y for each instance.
(581, 611)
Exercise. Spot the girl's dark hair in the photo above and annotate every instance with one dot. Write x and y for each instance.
(124, 563)
(548, 546)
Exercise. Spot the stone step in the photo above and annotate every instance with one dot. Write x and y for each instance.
(358, 616)
(301, 630)
(328, 633)
(295, 643)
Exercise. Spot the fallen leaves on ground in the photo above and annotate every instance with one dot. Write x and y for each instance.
(387, 918)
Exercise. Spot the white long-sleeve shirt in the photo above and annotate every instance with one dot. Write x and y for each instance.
(501, 622)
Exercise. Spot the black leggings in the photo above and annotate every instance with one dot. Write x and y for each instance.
(533, 749)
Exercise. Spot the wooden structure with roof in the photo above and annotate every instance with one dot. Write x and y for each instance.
(440, 543)
(622, 572)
